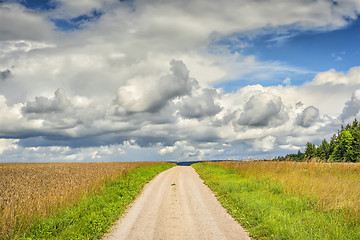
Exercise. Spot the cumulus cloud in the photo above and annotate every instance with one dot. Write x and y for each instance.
(264, 109)
(265, 144)
(9, 115)
(332, 77)
(66, 118)
(352, 107)
(12, 123)
(158, 113)
(324, 93)
(189, 150)
(6, 144)
(308, 117)
(200, 106)
(18, 153)
(167, 150)
(44, 105)
(150, 95)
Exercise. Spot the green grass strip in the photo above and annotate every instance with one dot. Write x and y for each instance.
(267, 211)
(96, 213)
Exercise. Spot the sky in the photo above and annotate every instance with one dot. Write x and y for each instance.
(162, 80)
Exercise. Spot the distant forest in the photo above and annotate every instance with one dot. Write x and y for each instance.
(343, 147)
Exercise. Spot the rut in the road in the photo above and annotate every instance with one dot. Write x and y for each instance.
(177, 205)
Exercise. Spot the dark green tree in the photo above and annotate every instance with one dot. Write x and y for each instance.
(300, 156)
(310, 151)
(343, 146)
(323, 151)
(355, 132)
(343, 150)
(332, 144)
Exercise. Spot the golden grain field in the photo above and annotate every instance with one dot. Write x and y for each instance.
(336, 185)
(31, 190)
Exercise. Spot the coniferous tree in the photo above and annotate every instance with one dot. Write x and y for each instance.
(310, 151)
(343, 150)
(332, 144)
(323, 150)
(355, 132)
(343, 146)
(300, 156)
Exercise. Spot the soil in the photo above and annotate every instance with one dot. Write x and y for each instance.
(177, 205)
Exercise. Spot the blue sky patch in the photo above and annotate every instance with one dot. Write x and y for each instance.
(313, 51)
(316, 51)
(39, 5)
(78, 22)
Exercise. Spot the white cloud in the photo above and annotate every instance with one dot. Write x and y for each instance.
(308, 116)
(287, 81)
(352, 107)
(9, 115)
(6, 144)
(157, 113)
(16, 153)
(16, 47)
(332, 77)
(265, 144)
(199, 106)
(17, 23)
(264, 109)
(139, 94)
(167, 150)
(289, 147)
(43, 105)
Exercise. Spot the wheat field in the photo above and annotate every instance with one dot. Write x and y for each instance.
(29, 191)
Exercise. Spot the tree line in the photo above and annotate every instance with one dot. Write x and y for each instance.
(343, 147)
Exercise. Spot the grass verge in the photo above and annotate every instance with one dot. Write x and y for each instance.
(94, 214)
(34, 191)
(268, 211)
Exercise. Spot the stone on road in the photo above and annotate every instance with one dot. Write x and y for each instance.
(177, 205)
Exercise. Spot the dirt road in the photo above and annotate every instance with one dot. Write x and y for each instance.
(177, 205)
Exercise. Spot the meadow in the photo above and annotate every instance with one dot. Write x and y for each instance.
(289, 200)
(34, 193)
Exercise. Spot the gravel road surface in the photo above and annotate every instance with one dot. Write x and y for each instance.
(177, 205)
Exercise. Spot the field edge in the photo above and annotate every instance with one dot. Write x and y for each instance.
(95, 214)
(267, 211)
